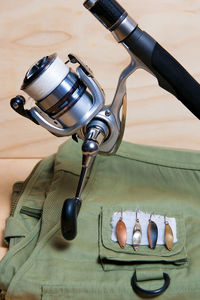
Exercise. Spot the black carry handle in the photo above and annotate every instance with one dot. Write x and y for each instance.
(149, 293)
(170, 74)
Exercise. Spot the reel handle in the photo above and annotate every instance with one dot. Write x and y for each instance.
(90, 148)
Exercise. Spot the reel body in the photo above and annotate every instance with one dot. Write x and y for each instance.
(71, 102)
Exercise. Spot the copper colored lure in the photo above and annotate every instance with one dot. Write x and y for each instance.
(121, 232)
(137, 234)
(169, 237)
(152, 234)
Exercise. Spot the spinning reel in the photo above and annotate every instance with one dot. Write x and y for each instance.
(71, 102)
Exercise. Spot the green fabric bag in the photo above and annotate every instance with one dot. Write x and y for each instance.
(40, 264)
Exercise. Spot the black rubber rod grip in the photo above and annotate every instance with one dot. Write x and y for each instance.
(108, 12)
(170, 74)
(168, 70)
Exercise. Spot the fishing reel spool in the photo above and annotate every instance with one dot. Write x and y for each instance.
(63, 105)
(71, 102)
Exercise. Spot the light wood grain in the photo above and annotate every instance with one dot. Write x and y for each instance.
(32, 29)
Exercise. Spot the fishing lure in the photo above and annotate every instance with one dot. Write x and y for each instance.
(121, 232)
(152, 232)
(137, 233)
(169, 237)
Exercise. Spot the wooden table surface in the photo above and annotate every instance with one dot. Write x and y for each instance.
(30, 30)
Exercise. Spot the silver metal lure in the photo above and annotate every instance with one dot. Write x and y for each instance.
(137, 233)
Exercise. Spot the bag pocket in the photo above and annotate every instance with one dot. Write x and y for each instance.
(18, 228)
(112, 257)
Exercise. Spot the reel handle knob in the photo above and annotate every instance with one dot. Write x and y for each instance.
(69, 216)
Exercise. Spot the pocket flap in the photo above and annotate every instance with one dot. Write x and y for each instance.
(110, 253)
(14, 229)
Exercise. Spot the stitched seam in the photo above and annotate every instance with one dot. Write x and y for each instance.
(158, 163)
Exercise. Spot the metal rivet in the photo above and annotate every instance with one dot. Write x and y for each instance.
(15, 105)
(107, 113)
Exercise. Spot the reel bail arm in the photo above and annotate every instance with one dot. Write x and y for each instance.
(17, 103)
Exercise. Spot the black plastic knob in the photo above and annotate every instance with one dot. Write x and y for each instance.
(69, 216)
